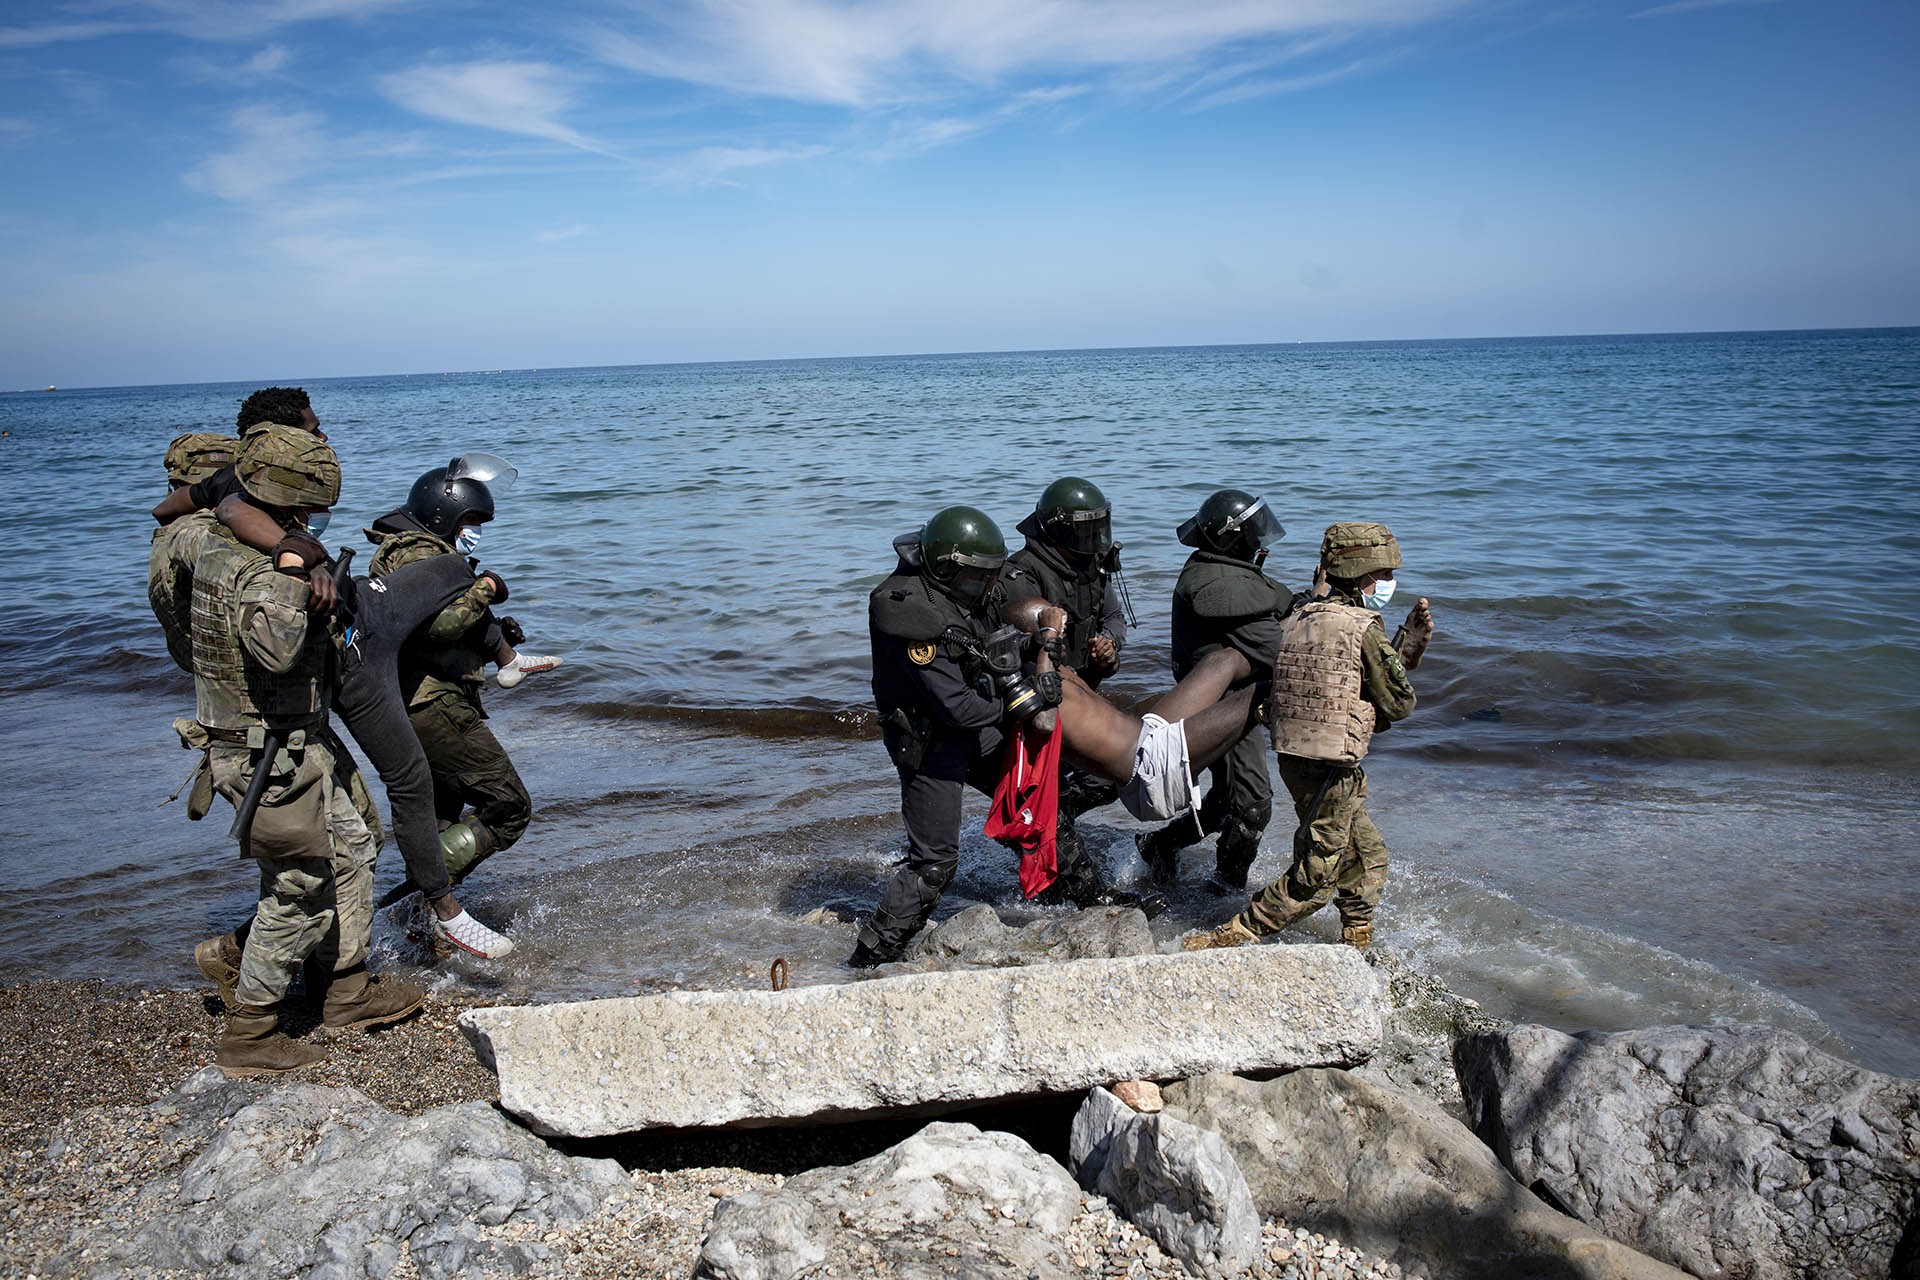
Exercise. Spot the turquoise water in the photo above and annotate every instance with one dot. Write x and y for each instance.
(1663, 763)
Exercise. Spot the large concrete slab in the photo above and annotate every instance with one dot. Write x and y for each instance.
(925, 1042)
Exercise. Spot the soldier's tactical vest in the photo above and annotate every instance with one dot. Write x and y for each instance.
(1082, 594)
(1318, 710)
(170, 581)
(226, 694)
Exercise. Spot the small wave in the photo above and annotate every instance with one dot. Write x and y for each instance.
(850, 723)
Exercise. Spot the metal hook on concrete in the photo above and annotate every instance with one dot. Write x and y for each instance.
(778, 973)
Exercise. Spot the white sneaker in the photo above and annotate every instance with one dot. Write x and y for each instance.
(468, 934)
(523, 666)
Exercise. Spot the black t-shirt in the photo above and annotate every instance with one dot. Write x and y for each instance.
(215, 489)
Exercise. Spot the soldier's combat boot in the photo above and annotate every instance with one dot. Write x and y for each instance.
(253, 1045)
(1233, 858)
(1160, 850)
(356, 1000)
(1082, 884)
(871, 955)
(1231, 934)
(219, 959)
(1357, 936)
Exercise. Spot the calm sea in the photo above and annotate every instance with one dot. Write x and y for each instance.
(1663, 767)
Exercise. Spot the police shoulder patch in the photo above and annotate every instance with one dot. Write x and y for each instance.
(921, 652)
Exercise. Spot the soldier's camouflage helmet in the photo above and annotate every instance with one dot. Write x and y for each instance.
(194, 456)
(960, 549)
(1072, 514)
(288, 467)
(1354, 549)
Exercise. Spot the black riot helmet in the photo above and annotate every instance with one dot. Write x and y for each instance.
(1072, 515)
(460, 492)
(1232, 522)
(959, 549)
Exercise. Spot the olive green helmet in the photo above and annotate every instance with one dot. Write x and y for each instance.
(959, 549)
(1232, 522)
(194, 456)
(1073, 515)
(288, 467)
(1354, 549)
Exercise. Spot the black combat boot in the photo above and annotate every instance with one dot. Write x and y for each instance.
(1160, 850)
(871, 956)
(1082, 884)
(1233, 857)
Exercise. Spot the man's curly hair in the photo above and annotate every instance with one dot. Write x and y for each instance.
(280, 405)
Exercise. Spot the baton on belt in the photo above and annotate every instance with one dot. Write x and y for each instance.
(262, 767)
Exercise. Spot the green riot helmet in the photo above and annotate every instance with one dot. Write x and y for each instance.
(462, 491)
(1232, 522)
(1353, 549)
(196, 455)
(962, 552)
(1072, 515)
(288, 467)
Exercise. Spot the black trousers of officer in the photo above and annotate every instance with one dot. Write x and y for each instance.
(1241, 794)
(930, 800)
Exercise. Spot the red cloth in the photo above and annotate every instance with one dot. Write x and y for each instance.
(1026, 808)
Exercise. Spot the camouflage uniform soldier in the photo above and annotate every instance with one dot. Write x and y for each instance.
(261, 683)
(442, 668)
(1336, 683)
(190, 458)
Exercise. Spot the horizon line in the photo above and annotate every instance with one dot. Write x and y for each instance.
(950, 355)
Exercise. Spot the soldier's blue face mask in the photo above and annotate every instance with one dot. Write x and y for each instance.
(1377, 596)
(467, 539)
(317, 522)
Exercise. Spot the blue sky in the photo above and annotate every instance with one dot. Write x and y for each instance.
(259, 189)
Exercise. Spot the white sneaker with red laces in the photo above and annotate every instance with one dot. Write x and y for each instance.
(523, 666)
(468, 934)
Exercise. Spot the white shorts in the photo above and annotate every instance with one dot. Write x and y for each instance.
(1162, 784)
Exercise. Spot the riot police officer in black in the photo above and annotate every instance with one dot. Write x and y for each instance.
(942, 717)
(1222, 599)
(1071, 560)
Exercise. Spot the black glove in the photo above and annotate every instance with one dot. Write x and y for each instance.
(304, 545)
(512, 632)
(499, 586)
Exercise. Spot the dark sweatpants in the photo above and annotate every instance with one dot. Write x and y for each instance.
(386, 611)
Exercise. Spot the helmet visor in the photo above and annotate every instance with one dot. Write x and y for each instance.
(1256, 524)
(967, 576)
(1089, 533)
(489, 469)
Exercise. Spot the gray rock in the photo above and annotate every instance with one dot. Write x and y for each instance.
(300, 1180)
(924, 1042)
(949, 1201)
(1177, 1183)
(1424, 1018)
(1091, 1136)
(978, 939)
(1729, 1151)
(1391, 1174)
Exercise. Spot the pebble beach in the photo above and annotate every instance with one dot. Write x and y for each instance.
(80, 1133)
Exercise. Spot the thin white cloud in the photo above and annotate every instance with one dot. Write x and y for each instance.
(867, 53)
(554, 234)
(269, 60)
(526, 98)
(223, 21)
(1271, 86)
(271, 149)
(707, 165)
(1689, 6)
